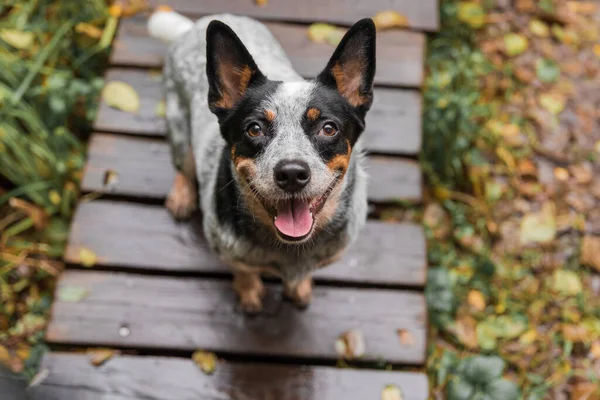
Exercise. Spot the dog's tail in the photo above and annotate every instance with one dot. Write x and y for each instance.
(167, 25)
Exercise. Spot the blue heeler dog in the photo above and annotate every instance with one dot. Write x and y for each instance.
(274, 161)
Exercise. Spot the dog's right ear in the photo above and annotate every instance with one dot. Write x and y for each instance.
(230, 68)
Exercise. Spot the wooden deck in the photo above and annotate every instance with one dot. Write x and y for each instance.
(157, 293)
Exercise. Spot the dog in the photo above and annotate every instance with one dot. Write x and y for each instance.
(274, 162)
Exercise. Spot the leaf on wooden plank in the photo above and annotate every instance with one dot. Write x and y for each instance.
(161, 109)
(72, 294)
(539, 227)
(318, 32)
(100, 356)
(389, 19)
(261, 3)
(391, 392)
(111, 180)
(87, 257)
(471, 14)
(406, 338)
(206, 361)
(122, 96)
(351, 344)
(515, 44)
(590, 251)
(17, 39)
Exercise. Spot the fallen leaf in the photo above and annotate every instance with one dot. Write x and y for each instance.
(391, 392)
(581, 7)
(87, 257)
(406, 338)
(17, 39)
(39, 217)
(476, 300)
(465, 330)
(575, 333)
(161, 109)
(590, 251)
(111, 180)
(585, 391)
(122, 96)
(596, 50)
(261, 3)
(515, 44)
(527, 168)
(335, 37)
(207, 362)
(594, 350)
(471, 14)
(565, 282)
(539, 28)
(351, 344)
(554, 103)
(389, 19)
(547, 70)
(72, 294)
(97, 357)
(4, 356)
(528, 337)
(54, 197)
(539, 227)
(89, 30)
(561, 174)
(318, 32)
(436, 218)
(583, 173)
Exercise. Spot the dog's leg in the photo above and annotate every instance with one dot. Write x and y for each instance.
(250, 289)
(299, 292)
(182, 199)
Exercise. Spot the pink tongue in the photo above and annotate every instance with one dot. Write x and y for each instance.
(293, 218)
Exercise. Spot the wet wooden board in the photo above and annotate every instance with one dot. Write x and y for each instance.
(144, 169)
(400, 54)
(393, 123)
(186, 314)
(145, 237)
(421, 14)
(72, 377)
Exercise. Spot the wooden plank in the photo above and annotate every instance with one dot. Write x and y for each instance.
(129, 235)
(422, 14)
(393, 124)
(400, 54)
(144, 169)
(73, 377)
(186, 314)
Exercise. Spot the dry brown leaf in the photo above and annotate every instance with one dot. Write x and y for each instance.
(389, 19)
(575, 333)
(4, 356)
(561, 174)
(261, 3)
(527, 169)
(465, 330)
(596, 50)
(206, 361)
(391, 392)
(37, 215)
(87, 257)
(351, 344)
(476, 300)
(581, 7)
(595, 350)
(583, 173)
(585, 391)
(590, 251)
(406, 338)
(539, 227)
(100, 356)
(436, 218)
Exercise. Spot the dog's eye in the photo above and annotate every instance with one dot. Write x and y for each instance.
(329, 129)
(254, 130)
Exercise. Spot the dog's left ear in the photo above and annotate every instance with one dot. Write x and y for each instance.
(230, 68)
(352, 66)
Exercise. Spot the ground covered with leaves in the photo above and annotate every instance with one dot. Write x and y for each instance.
(512, 157)
(51, 58)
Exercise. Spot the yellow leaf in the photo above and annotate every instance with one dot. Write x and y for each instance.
(161, 109)
(17, 39)
(389, 19)
(122, 96)
(87, 257)
(116, 10)
(562, 174)
(515, 44)
(565, 282)
(539, 28)
(206, 361)
(98, 357)
(596, 50)
(476, 300)
(89, 30)
(590, 251)
(391, 392)
(528, 337)
(471, 14)
(554, 103)
(594, 350)
(72, 294)
(54, 197)
(539, 227)
(351, 344)
(261, 3)
(318, 32)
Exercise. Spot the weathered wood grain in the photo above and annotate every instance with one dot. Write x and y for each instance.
(187, 314)
(422, 14)
(144, 169)
(72, 377)
(129, 235)
(393, 123)
(400, 54)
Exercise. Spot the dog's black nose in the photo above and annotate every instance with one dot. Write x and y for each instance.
(292, 175)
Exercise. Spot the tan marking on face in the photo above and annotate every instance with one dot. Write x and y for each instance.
(313, 114)
(246, 169)
(234, 83)
(269, 115)
(325, 216)
(339, 163)
(348, 78)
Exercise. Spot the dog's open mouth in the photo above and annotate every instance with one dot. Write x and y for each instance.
(295, 217)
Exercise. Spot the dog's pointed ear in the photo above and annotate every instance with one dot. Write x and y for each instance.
(352, 66)
(230, 68)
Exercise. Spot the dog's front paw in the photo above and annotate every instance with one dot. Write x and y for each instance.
(300, 293)
(250, 291)
(181, 201)
(251, 303)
